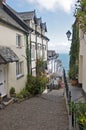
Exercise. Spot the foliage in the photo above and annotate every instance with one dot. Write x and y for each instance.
(73, 72)
(74, 52)
(81, 15)
(23, 94)
(12, 90)
(80, 112)
(40, 66)
(36, 85)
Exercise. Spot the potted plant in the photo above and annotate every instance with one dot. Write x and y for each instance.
(12, 92)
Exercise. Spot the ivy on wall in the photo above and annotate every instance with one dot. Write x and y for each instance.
(81, 14)
(74, 52)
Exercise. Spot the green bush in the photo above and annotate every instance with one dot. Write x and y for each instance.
(36, 85)
(20, 96)
(12, 90)
(23, 94)
(73, 72)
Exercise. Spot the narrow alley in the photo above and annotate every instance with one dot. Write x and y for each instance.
(44, 112)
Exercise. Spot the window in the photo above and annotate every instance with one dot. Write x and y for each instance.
(33, 51)
(43, 51)
(33, 72)
(39, 51)
(19, 69)
(18, 40)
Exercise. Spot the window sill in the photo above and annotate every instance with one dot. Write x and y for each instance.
(20, 76)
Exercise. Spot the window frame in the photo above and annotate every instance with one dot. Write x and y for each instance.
(19, 69)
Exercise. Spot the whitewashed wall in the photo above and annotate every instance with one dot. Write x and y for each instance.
(8, 38)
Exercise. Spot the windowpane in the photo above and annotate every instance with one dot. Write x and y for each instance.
(19, 68)
(18, 40)
(33, 51)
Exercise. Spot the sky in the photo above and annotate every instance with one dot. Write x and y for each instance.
(58, 15)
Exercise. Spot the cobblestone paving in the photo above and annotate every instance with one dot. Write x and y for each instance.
(46, 112)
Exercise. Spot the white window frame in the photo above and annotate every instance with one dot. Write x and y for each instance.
(20, 40)
(19, 69)
(33, 51)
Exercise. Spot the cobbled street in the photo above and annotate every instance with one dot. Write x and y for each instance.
(45, 112)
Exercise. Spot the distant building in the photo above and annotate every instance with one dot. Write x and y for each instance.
(52, 61)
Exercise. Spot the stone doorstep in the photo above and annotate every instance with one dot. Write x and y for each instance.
(8, 102)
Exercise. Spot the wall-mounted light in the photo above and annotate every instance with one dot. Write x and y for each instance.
(68, 33)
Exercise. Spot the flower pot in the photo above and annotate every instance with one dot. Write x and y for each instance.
(74, 82)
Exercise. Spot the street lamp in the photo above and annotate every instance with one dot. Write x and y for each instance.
(68, 33)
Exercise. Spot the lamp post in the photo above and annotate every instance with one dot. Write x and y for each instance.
(68, 33)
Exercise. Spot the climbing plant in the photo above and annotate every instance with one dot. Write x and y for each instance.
(74, 51)
(81, 14)
(41, 64)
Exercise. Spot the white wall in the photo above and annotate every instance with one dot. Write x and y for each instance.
(82, 60)
(8, 38)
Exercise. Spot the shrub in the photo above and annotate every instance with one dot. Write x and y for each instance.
(73, 72)
(79, 109)
(12, 90)
(20, 96)
(23, 94)
(36, 85)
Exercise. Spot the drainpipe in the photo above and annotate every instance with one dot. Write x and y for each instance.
(36, 50)
(30, 68)
(27, 53)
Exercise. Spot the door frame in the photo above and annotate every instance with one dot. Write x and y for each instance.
(5, 79)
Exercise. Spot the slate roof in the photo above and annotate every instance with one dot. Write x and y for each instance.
(39, 21)
(15, 19)
(27, 15)
(4, 17)
(52, 54)
(7, 55)
(43, 25)
(14, 15)
(32, 15)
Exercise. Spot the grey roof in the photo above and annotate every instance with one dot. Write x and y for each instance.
(44, 27)
(11, 12)
(32, 15)
(27, 15)
(39, 21)
(8, 19)
(52, 54)
(7, 55)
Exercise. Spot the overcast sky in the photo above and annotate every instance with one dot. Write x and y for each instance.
(58, 15)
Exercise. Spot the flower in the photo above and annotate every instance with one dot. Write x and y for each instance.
(81, 113)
